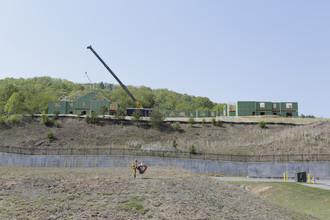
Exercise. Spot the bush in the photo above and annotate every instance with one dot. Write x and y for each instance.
(56, 115)
(177, 127)
(213, 121)
(157, 119)
(192, 149)
(103, 110)
(203, 122)
(136, 117)
(14, 120)
(50, 135)
(219, 123)
(174, 144)
(191, 121)
(120, 116)
(262, 124)
(93, 119)
(56, 124)
(45, 120)
(3, 123)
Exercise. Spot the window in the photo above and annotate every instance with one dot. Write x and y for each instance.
(274, 105)
(288, 105)
(262, 105)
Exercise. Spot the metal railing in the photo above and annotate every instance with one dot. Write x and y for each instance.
(161, 153)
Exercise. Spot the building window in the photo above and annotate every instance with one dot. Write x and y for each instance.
(262, 105)
(274, 105)
(288, 105)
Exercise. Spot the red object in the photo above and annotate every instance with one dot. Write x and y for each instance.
(142, 168)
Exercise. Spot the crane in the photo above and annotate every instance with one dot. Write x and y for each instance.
(118, 80)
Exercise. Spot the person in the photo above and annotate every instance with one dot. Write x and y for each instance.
(134, 167)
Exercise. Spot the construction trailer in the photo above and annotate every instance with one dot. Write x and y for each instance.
(82, 103)
(254, 108)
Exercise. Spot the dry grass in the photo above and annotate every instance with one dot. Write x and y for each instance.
(112, 193)
(229, 139)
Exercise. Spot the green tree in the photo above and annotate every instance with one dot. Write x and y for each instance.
(191, 121)
(157, 119)
(103, 110)
(120, 115)
(15, 103)
(136, 116)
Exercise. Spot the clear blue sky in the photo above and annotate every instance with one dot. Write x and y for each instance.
(225, 50)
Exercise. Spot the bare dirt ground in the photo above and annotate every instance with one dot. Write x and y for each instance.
(112, 193)
(229, 139)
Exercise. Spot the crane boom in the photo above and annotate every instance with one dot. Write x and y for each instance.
(114, 75)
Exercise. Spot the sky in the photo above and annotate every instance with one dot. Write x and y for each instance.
(228, 51)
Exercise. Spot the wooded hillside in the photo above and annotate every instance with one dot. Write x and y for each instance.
(31, 96)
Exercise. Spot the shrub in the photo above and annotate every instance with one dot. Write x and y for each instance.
(136, 117)
(262, 124)
(14, 120)
(174, 143)
(3, 123)
(177, 127)
(203, 122)
(56, 124)
(103, 110)
(120, 116)
(45, 120)
(157, 119)
(93, 119)
(219, 123)
(213, 122)
(56, 115)
(192, 149)
(191, 121)
(50, 135)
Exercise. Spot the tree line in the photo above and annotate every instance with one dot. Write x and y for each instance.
(31, 96)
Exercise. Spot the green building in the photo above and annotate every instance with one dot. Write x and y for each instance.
(82, 103)
(252, 108)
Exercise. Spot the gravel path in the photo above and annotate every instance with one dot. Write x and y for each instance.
(322, 184)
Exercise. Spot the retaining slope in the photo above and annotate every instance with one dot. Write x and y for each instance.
(256, 169)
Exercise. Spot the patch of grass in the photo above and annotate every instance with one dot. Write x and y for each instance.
(305, 199)
(134, 203)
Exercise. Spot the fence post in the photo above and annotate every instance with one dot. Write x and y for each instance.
(71, 151)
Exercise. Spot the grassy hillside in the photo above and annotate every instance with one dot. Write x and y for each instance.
(309, 200)
(164, 193)
(230, 138)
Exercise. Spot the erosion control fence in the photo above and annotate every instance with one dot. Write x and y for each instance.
(169, 154)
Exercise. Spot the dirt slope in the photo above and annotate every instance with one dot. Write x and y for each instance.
(236, 139)
(164, 193)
